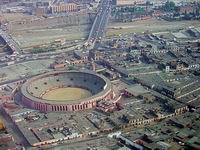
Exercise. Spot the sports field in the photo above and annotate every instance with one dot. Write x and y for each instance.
(67, 94)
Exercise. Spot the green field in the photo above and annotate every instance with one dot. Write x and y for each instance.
(66, 94)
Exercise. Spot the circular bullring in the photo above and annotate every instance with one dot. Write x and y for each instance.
(65, 91)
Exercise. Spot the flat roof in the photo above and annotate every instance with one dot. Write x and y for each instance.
(137, 89)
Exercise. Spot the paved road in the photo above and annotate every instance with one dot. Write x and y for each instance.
(40, 56)
(11, 43)
(100, 22)
(12, 128)
(77, 143)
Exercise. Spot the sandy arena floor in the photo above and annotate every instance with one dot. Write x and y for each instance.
(67, 94)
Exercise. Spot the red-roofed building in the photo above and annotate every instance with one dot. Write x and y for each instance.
(186, 9)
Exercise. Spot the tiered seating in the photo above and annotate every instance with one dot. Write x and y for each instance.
(87, 81)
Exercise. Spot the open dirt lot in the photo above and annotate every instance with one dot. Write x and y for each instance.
(16, 71)
(13, 17)
(30, 38)
(28, 30)
(152, 25)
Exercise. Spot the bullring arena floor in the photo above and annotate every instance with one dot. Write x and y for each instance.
(65, 91)
(67, 94)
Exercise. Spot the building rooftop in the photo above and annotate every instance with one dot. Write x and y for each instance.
(137, 90)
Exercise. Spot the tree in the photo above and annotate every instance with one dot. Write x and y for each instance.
(169, 6)
(148, 3)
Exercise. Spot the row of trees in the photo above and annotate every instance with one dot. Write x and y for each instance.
(171, 7)
(42, 50)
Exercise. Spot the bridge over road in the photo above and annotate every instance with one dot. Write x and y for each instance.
(99, 24)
